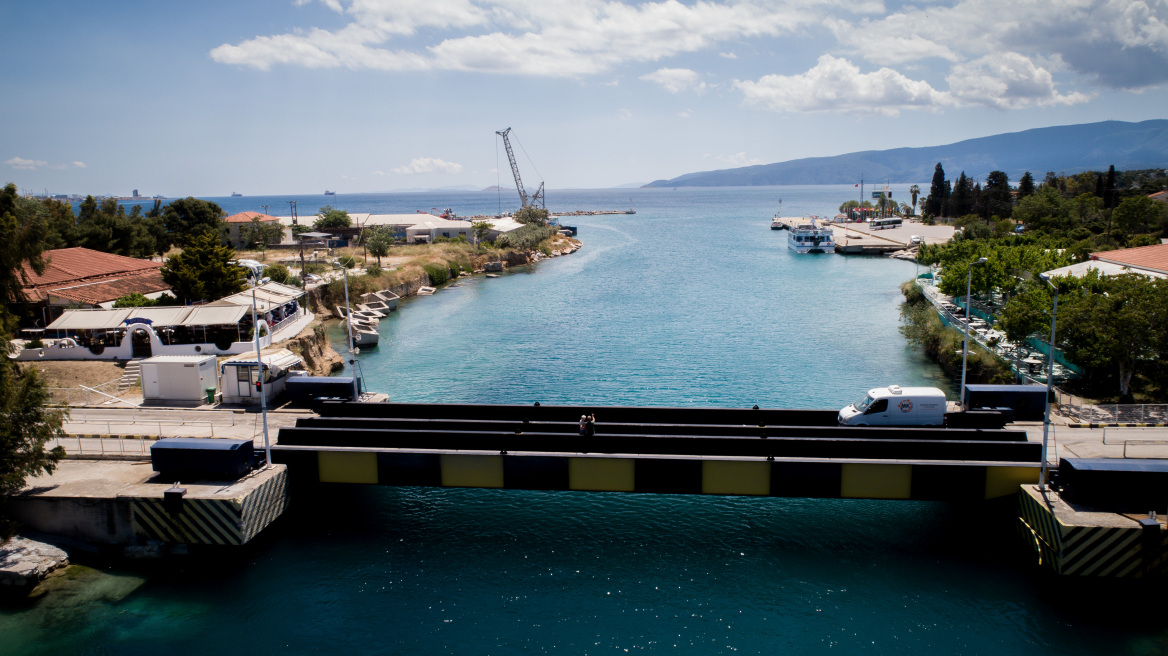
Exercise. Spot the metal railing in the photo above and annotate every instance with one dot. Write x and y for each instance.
(80, 396)
(1079, 409)
(79, 444)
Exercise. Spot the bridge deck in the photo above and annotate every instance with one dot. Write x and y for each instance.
(672, 450)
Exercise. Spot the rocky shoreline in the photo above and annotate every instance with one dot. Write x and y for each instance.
(24, 563)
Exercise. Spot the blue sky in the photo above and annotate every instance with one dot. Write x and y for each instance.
(297, 96)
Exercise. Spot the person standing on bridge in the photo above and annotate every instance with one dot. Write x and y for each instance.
(589, 426)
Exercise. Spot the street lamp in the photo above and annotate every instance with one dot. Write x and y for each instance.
(968, 313)
(1049, 383)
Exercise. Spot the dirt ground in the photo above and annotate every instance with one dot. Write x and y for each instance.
(72, 374)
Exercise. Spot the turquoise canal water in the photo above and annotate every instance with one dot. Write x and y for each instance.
(692, 301)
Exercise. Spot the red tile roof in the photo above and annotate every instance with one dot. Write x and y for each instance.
(246, 217)
(111, 289)
(73, 266)
(1154, 258)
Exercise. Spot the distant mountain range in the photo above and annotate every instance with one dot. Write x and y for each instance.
(1063, 149)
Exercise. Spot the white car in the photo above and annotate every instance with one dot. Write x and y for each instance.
(311, 277)
(916, 239)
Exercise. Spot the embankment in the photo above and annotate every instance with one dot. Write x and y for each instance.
(319, 356)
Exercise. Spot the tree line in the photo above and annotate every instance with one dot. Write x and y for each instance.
(1115, 329)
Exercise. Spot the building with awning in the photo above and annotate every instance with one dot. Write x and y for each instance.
(220, 328)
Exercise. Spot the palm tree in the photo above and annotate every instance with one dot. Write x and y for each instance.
(914, 190)
(882, 204)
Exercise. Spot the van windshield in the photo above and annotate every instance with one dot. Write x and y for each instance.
(863, 405)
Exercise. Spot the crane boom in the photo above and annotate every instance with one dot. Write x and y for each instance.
(523, 199)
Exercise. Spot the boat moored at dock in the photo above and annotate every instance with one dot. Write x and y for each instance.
(807, 236)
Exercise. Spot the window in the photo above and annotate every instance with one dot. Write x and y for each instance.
(878, 407)
(243, 374)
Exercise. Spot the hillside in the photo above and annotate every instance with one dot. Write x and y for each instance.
(1067, 149)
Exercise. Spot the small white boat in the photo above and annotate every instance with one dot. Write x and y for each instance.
(426, 291)
(389, 298)
(808, 237)
(777, 223)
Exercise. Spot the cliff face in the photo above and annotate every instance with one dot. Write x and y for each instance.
(319, 356)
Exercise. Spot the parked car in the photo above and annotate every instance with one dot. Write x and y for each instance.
(916, 239)
(312, 277)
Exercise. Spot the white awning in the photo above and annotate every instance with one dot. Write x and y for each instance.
(203, 315)
(270, 295)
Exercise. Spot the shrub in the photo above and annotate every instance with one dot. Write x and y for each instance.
(277, 272)
(439, 273)
(347, 261)
(373, 270)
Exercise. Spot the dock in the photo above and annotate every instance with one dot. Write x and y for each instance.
(118, 503)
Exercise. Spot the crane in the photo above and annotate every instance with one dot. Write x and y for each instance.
(537, 197)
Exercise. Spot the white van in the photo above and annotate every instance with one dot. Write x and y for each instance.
(896, 406)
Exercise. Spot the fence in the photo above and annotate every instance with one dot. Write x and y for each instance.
(78, 396)
(1077, 408)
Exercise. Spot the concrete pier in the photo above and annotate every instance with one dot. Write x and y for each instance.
(122, 503)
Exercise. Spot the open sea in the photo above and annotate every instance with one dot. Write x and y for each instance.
(692, 301)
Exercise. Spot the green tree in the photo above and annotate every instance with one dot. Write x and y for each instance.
(377, 242)
(203, 270)
(961, 200)
(1116, 323)
(28, 422)
(938, 198)
(332, 219)
(915, 190)
(259, 234)
(1045, 210)
(1025, 185)
(481, 230)
(1138, 214)
(277, 272)
(532, 215)
(996, 199)
(187, 218)
(139, 300)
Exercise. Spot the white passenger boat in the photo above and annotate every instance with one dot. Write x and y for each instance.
(777, 223)
(807, 236)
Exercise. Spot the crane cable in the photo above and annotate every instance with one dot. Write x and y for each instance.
(524, 154)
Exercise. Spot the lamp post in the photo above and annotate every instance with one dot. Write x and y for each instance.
(255, 324)
(1049, 384)
(965, 342)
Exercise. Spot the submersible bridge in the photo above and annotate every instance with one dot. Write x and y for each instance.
(760, 452)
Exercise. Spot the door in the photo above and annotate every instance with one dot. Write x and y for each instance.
(243, 378)
(140, 344)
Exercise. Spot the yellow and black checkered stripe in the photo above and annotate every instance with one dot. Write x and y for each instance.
(1099, 551)
(198, 521)
(785, 478)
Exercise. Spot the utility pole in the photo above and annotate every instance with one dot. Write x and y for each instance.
(292, 205)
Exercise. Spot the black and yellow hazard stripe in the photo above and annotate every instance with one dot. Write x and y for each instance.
(1092, 551)
(227, 521)
(196, 521)
(264, 504)
(688, 475)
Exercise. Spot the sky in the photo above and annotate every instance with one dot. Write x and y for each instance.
(298, 96)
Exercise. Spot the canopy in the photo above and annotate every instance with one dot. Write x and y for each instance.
(202, 315)
(267, 295)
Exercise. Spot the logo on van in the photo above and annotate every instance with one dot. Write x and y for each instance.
(905, 405)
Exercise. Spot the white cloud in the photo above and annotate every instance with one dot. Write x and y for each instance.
(428, 165)
(676, 80)
(685, 113)
(727, 55)
(79, 165)
(22, 164)
(1007, 81)
(550, 38)
(1119, 43)
(837, 85)
(625, 115)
